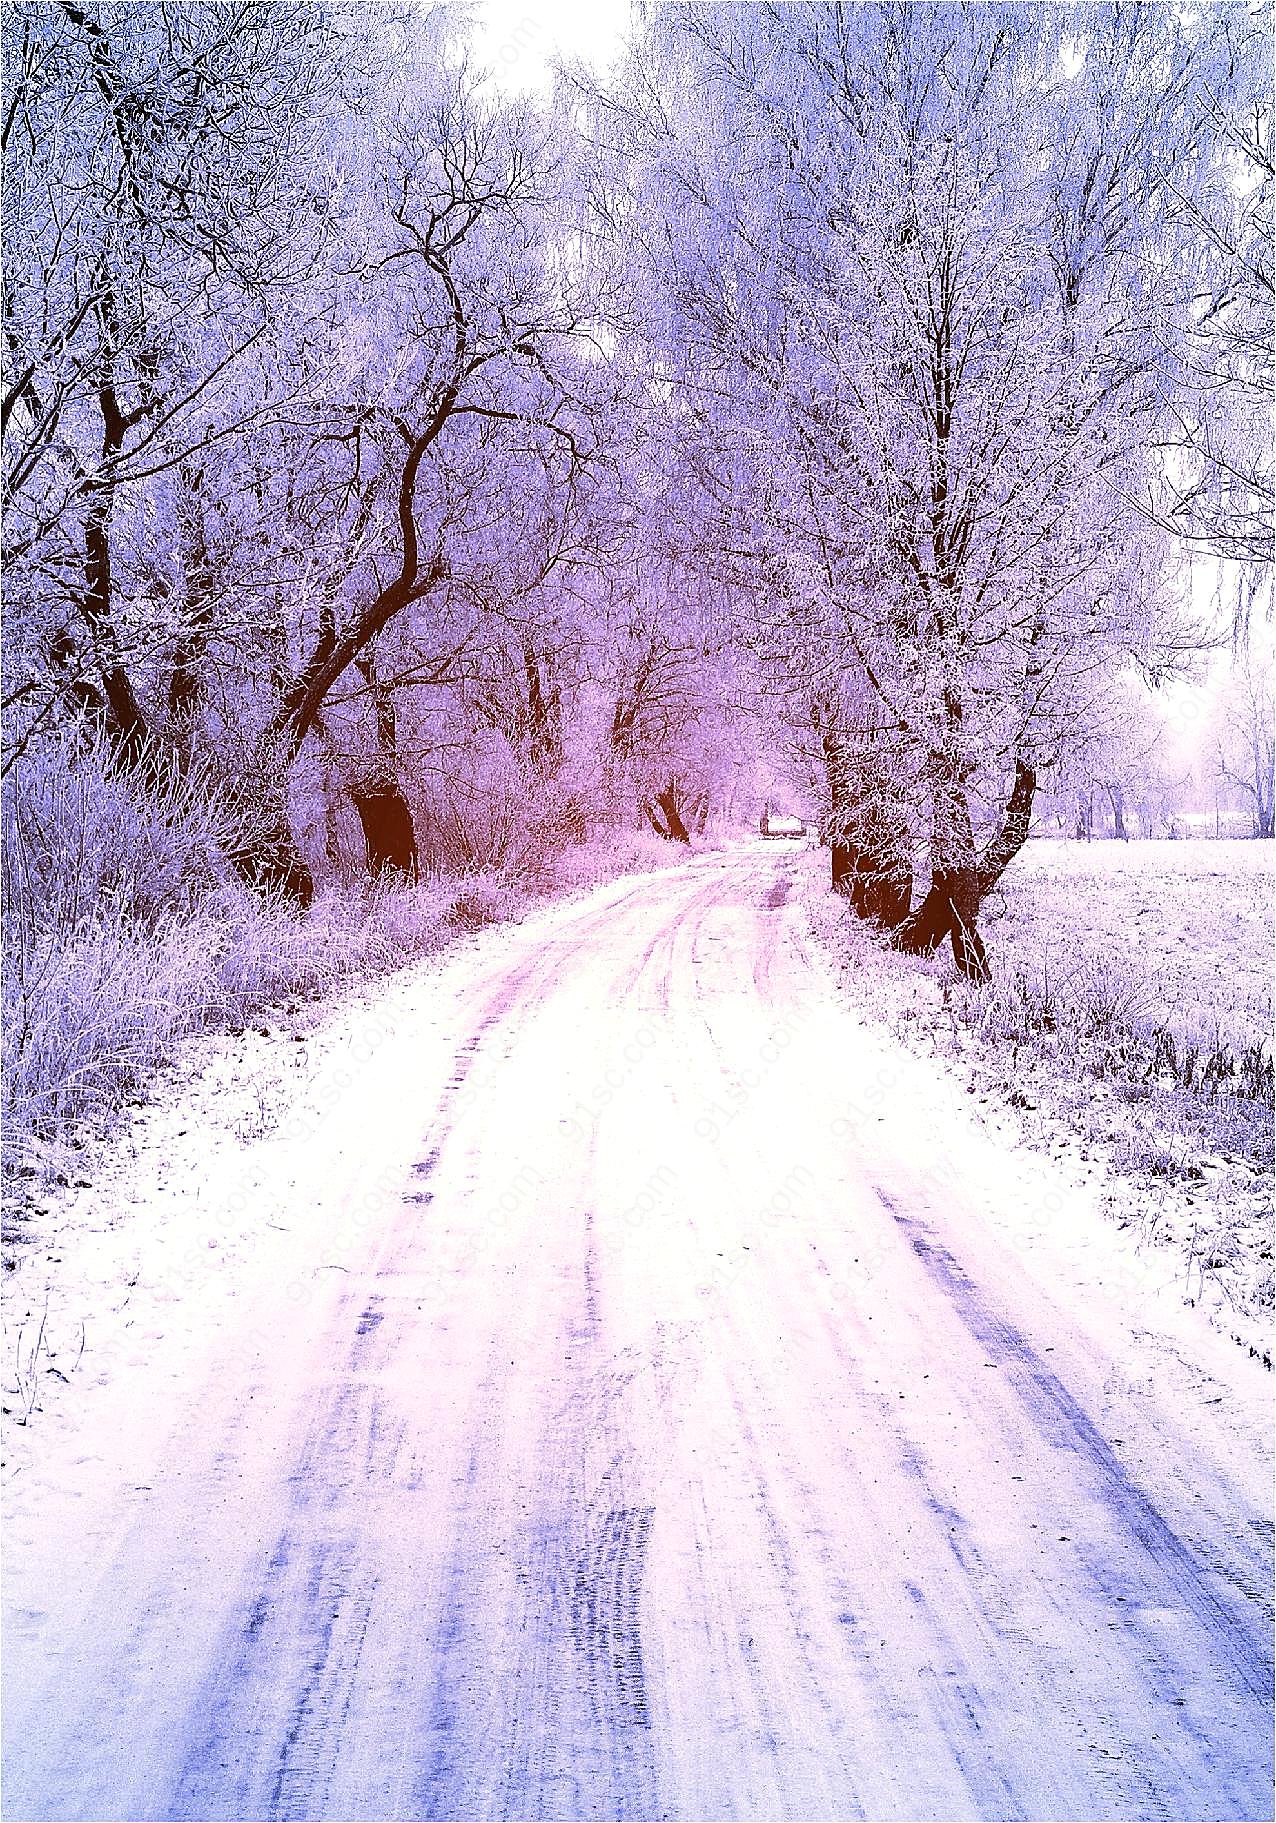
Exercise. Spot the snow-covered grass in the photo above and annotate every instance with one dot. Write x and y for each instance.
(1183, 930)
(93, 1009)
(1129, 1017)
(1145, 964)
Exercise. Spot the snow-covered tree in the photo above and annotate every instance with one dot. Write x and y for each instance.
(1217, 488)
(163, 208)
(1245, 737)
(908, 314)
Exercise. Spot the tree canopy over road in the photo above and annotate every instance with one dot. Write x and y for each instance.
(833, 390)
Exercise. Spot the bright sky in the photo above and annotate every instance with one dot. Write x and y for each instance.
(516, 39)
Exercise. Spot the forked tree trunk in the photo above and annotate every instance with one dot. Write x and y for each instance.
(950, 909)
(963, 879)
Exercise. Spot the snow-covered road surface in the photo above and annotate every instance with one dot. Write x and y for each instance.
(709, 1421)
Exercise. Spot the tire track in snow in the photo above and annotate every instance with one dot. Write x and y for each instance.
(1058, 1414)
(1117, 1756)
(576, 1734)
(353, 1444)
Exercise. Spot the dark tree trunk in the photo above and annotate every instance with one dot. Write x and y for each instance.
(887, 896)
(1264, 808)
(268, 863)
(876, 887)
(271, 863)
(843, 858)
(673, 828)
(575, 820)
(1016, 824)
(387, 830)
(922, 932)
(957, 891)
(951, 907)
(377, 795)
(969, 953)
(544, 716)
(125, 724)
(868, 842)
(186, 685)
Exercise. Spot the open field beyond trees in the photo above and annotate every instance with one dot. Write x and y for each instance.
(1180, 932)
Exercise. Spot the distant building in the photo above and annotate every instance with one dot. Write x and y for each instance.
(774, 824)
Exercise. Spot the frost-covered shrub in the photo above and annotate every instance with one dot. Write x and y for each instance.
(498, 813)
(613, 852)
(110, 929)
(81, 838)
(275, 952)
(126, 931)
(266, 953)
(478, 817)
(486, 899)
(399, 923)
(90, 1010)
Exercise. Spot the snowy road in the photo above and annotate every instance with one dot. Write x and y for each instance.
(700, 1429)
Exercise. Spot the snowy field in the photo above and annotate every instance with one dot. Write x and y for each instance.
(1181, 932)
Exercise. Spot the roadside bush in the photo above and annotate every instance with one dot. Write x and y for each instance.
(81, 839)
(491, 815)
(486, 899)
(90, 1010)
(614, 852)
